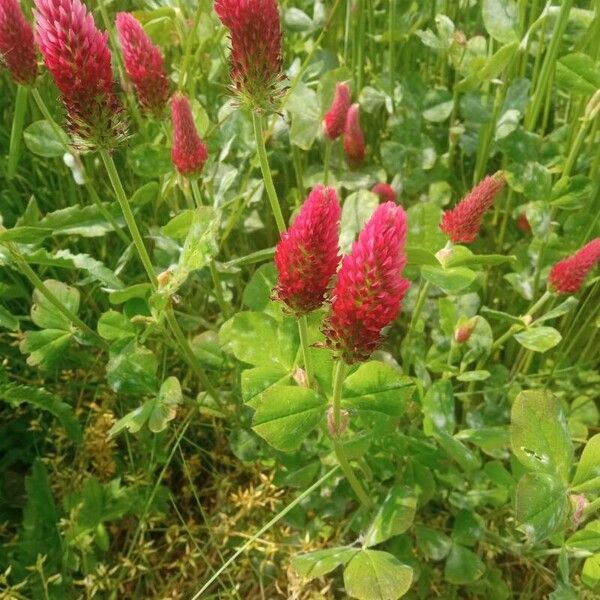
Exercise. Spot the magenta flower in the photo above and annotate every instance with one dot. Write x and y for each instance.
(334, 120)
(256, 54)
(462, 223)
(369, 288)
(77, 55)
(307, 255)
(188, 152)
(354, 140)
(17, 48)
(385, 192)
(144, 64)
(568, 275)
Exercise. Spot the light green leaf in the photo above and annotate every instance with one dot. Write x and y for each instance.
(466, 459)
(46, 348)
(303, 105)
(316, 564)
(256, 381)
(132, 370)
(541, 505)
(86, 221)
(376, 387)
(357, 210)
(113, 325)
(589, 463)
(149, 161)
(394, 516)
(590, 574)
(376, 575)
(539, 339)
(8, 320)
(587, 539)
(451, 281)
(439, 112)
(424, 226)
(257, 339)
(578, 73)
(500, 18)
(286, 414)
(164, 406)
(496, 63)
(41, 139)
(463, 566)
(539, 433)
(562, 309)
(45, 315)
(434, 544)
(438, 408)
(207, 350)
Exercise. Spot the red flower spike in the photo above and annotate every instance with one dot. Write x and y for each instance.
(307, 255)
(369, 288)
(568, 275)
(334, 120)
(188, 152)
(354, 140)
(385, 192)
(523, 223)
(256, 53)
(462, 223)
(17, 48)
(144, 64)
(77, 55)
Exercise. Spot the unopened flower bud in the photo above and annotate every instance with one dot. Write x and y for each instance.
(344, 420)
(164, 278)
(300, 377)
(444, 255)
(463, 332)
(578, 503)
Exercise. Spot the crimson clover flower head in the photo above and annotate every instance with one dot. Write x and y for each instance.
(369, 289)
(385, 192)
(17, 46)
(144, 64)
(256, 51)
(77, 56)
(354, 140)
(523, 223)
(334, 120)
(188, 152)
(568, 275)
(307, 254)
(462, 223)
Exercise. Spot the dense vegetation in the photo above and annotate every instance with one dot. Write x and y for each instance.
(197, 404)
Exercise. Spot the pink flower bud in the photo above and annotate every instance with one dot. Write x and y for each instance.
(344, 422)
(354, 140)
(17, 48)
(144, 64)
(256, 54)
(568, 275)
(369, 288)
(463, 332)
(462, 223)
(77, 55)
(188, 152)
(385, 192)
(307, 255)
(334, 120)
(523, 223)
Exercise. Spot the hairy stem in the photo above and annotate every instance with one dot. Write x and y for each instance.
(303, 330)
(17, 130)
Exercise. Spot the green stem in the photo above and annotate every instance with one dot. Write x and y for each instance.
(303, 330)
(17, 130)
(128, 214)
(591, 508)
(263, 529)
(340, 452)
(183, 74)
(41, 287)
(547, 66)
(327, 160)
(257, 122)
(196, 193)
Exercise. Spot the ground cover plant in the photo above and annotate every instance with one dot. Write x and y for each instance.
(299, 299)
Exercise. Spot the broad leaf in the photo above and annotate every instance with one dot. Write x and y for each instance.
(394, 517)
(539, 433)
(356, 211)
(500, 19)
(376, 575)
(539, 339)
(286, 414)
(451, 281)
(41, 139)
(463, 566)
(319, 563)
(45, 315)
(132, 370)
(589, 463)
(578, 73)
(541, 505)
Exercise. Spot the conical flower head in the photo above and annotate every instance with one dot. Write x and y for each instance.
(144, 64)
(385, 192)
(369, 288)
(17, 48)
(256, 54)
(307, 255)
(462, 223)
(354, 140)
(188, 152)
(77, 55)
(568, 275)
(334, 120)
